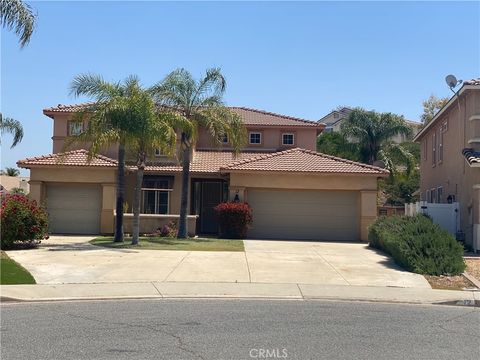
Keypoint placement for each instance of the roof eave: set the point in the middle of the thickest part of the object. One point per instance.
(251, 171)
(443, 109)
(60, 165)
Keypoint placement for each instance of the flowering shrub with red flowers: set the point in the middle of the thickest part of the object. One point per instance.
(24, 223)
(234, 219)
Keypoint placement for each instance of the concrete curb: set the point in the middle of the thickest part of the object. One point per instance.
(176, 290)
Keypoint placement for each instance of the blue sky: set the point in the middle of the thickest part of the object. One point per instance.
(299, 59)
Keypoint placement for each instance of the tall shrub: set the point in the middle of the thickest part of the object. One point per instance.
(234, 219)
(23, 222)
(418, 245)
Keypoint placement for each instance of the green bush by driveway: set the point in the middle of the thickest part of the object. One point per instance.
(12, 273)
(418, 245)
(166, 243)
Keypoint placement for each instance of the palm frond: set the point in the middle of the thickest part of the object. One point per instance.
(220, 121)
(18, 16)
(94, 86)
(13, 127)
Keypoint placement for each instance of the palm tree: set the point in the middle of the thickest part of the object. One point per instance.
(10, 171)
(13, 127)
(156, 130)
(18, 16)
(372, 130)
(199, 101)
(113, 117)
(397, 159)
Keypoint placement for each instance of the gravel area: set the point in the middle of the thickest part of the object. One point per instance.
(449, 282)
(473, 267)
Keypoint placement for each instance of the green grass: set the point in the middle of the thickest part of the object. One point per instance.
(162, 243)
(12, 273)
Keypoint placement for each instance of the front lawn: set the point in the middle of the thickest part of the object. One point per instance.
(164, 243)
(13, 273)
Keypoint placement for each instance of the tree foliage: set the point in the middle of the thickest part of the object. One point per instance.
(10, 171)
(18, 16)
(372, 130)
(199, 101)
(335, 144)
(431, 106)
(114, 117)
(400, 189)
(11, 126)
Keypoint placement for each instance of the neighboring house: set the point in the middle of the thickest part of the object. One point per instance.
(334, 119)
(11, 182)
(450, 158)
(295, 192)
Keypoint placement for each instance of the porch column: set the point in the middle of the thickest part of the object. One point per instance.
(108, 206)
(37, 189)
(368, 211)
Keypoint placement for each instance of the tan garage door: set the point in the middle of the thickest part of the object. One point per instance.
(304, 215)
(74, 209)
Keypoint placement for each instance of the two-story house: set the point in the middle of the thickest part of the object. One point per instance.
(333, 123)
(295, 192)
(450, 158)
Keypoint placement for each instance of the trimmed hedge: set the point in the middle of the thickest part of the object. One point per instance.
(234, 219)
(418, 245)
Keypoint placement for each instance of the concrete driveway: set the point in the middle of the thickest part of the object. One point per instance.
(73, 260)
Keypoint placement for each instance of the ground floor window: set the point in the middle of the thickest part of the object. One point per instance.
(156, 194)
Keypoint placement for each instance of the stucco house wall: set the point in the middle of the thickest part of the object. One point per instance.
(454, 129)
(365, 186)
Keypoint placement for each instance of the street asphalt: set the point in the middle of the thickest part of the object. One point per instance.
(237, 329)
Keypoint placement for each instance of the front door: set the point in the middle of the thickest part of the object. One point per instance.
(206, 195)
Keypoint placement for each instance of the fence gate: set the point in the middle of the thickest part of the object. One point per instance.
(445, 215)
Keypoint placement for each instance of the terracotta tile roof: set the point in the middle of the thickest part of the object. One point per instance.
(301, 160)
(260, 117)
(60, 108)
(472, 82)
(471, 156)
(70, 158)
(206, 161)
(249, 116)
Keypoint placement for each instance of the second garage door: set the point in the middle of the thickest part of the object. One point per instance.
(74, 209)
(304, 215)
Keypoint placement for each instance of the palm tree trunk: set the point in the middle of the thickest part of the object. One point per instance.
(182, 223)
(120, 194)
(136, 204)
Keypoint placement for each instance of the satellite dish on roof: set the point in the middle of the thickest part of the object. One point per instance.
(452, 81)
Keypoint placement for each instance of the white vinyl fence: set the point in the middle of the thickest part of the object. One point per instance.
(445, 215)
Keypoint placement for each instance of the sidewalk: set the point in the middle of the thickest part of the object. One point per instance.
(166, 290)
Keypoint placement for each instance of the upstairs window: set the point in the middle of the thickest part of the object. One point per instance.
(425, 149)
(223, 139)
(160, 153)
(434, 149)
(443, 130)
(288, 139)
(74, 128)
(440, 147)
(255, 138)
